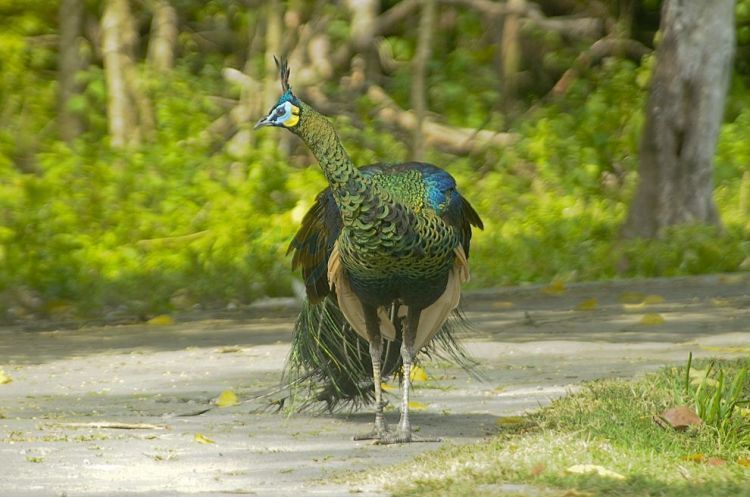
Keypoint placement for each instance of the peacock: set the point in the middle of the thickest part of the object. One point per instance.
(383, 253)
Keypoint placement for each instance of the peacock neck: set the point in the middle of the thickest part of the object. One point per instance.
(318, 134)
(351, 189)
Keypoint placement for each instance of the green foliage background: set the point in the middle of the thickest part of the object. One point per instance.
(85, 229)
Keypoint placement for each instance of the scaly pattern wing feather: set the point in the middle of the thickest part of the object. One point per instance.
(313, 243)
(329, 363)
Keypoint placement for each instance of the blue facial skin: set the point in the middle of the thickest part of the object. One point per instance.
(278, 115)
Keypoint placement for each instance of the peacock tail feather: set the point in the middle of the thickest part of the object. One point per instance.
(329, 365)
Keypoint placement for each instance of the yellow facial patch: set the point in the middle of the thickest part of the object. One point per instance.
(293, 118)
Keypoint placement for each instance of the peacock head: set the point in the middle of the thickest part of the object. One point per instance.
(286, 112)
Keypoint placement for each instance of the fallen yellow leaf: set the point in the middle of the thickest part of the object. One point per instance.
(587, 305)
(694, 458)
(631, 297)
(202, 439)
(161, 320)
(652, 319)
(555, 287)
(417, 406)
(585, 469)
(417, 374)
(653, 299)
(227, 398)
(633, 307)
(4, 378)
(510, 421)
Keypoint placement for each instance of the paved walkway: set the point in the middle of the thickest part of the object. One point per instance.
(532, 343)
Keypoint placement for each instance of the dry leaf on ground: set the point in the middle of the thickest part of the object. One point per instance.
(653, 299)
(4, 378)
(417, 374)
(631, 297)
(697, 458)
(161, 320)
(202, 439)
(227, 398)
(508, 421)
(652, 319)
(680, 418)
(555, 287)
(587, 305)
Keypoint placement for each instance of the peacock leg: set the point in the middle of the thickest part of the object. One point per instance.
(376, 349)
(407, 357)
(404, 434)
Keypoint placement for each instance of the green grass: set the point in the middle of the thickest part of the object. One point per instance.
(608, 423)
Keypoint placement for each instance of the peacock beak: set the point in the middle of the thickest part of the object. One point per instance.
(263, 122)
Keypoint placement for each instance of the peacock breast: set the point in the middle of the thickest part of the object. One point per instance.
(406, 247)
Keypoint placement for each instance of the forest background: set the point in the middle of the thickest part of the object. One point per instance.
(132, 183)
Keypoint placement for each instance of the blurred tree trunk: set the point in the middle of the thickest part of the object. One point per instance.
(364, 28)
(117, 39)
(271, 88)
(161, 45)
(510, 51)
(129, 112)
(419, 76)
(683, 115)
(70, 19)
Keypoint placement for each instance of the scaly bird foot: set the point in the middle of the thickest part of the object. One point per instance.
(376, 434)
(403, 437)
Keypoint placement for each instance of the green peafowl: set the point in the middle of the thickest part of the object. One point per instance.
(383, 252)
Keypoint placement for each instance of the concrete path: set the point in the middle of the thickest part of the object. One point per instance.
(532, 343)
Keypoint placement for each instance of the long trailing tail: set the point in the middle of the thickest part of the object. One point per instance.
(329, 365)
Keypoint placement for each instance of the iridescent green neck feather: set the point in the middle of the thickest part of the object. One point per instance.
(319, 135)
(351, 189)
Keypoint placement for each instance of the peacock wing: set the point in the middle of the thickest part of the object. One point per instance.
(313, 243)
(461, 215)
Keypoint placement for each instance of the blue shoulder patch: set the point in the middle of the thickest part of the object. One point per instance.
(440, 187)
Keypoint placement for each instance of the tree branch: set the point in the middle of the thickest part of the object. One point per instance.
(419, 76)
(570, 26)
(459, 141)
(606, 47)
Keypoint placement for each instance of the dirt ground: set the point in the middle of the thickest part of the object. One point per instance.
(70, 389)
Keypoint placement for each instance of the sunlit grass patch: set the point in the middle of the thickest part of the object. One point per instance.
(607, 432)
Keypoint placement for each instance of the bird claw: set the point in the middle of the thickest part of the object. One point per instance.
(387, 437)
(402, 438)
(373, 435)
